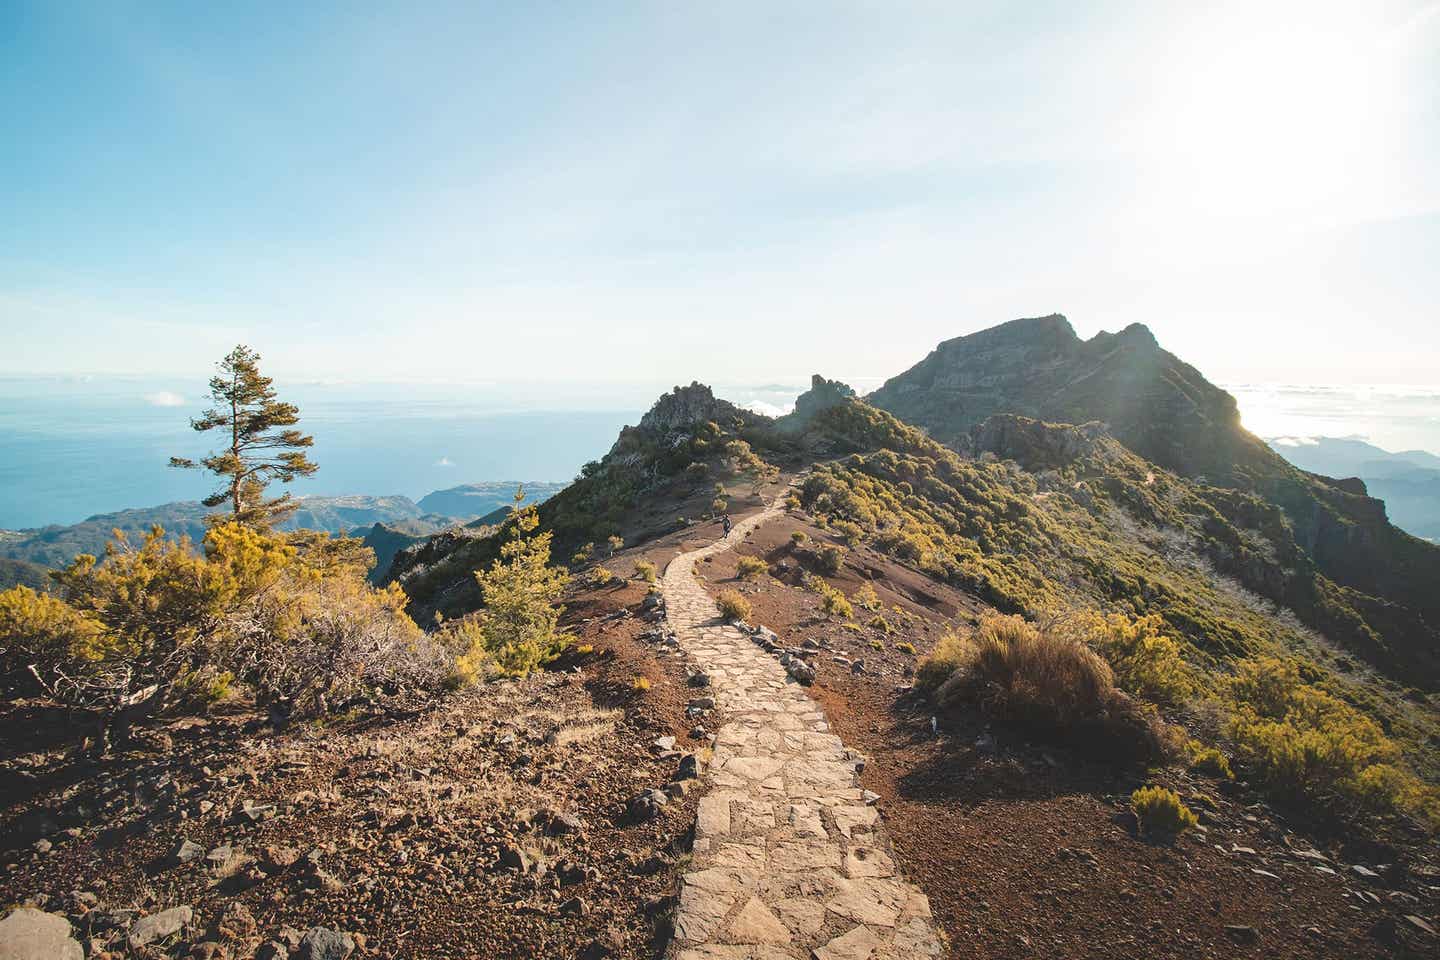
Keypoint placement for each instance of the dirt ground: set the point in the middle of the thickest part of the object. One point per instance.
(1027, 851)
(490, 823)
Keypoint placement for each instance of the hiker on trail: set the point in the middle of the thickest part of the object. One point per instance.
(725, 522)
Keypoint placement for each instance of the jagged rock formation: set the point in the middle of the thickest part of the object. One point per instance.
(822, 395)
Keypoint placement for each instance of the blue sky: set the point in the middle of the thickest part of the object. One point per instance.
(730, 192)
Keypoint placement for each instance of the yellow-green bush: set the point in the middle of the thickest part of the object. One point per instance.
(949, 656)
(798, 537)
(831, 558)
(601, 577)
(866, 598)
(1146, 662)
(905, 646)
(878, 622)
(1209, 760)
(733, 606)
(1305, 741)
(748, 567)
(645, 570)
(1160, 813)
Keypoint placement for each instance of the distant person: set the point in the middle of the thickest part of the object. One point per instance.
(725, 522)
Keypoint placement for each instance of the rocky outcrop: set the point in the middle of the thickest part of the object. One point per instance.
(822, 395)
(688, 406)
(1034, 444)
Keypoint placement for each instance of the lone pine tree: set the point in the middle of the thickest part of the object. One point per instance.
(260, 447)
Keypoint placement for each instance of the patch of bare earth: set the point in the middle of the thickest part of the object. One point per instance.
(1026, 850)
(490, 823)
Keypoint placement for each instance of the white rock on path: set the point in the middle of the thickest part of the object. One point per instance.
(790, 859)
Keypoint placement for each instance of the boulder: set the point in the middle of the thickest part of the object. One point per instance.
(30, 934)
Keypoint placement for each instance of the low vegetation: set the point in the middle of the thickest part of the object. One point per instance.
(1047, 683)
(733, 606)
(1159, 813)
(645, 570)
(749, 567)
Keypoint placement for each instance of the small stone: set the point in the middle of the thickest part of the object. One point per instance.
(689, 767)
(513, 858)
(184, 852)
(1420, 923)
(575, 907)
(322, 943)
(870, 797)
(664, 744)
(1241, 933)
(157, 926)
(272, 950)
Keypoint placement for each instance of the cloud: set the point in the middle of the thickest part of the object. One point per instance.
(444, 462)
(164, 398)
(768, 409)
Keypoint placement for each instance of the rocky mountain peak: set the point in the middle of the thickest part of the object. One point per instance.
(687, 406)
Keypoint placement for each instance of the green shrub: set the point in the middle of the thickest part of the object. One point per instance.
(905, 646)
(601, 577)
(748, 567)
(733, 606)
(718, 505)
(949, 657)
(877, 645)
(878, 622)
(831, 558)
(866, 598)
(1306, 742)
(1160, 814)
(645, 570)
(1210, 760)
(798, 537)
(614, 543)
(832, 601)
(1145, 661)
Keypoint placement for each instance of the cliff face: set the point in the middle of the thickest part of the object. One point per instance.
(1166, 411)
(1159, 406)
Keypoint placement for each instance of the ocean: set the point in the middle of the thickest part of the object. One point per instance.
(72, 447)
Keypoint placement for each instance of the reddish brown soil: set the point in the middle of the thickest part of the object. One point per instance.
(1029, 851)
(408, 804)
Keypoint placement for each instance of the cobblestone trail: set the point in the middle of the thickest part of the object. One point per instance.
(790, 861)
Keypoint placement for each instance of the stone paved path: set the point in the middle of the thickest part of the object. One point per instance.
(789, 860)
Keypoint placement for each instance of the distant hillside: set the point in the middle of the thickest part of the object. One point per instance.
(1408, 481)
(1167, 412)
(20, 573)
(478, 499)
(57, 545)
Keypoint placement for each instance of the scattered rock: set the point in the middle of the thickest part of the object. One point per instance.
(184, 852)
(158, 926)
(322, 943)
(1241, 933)
(647, 805)
(513, 858)
(30, 934)
(689, 767)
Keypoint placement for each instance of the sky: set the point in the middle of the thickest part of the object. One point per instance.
(734, 192)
